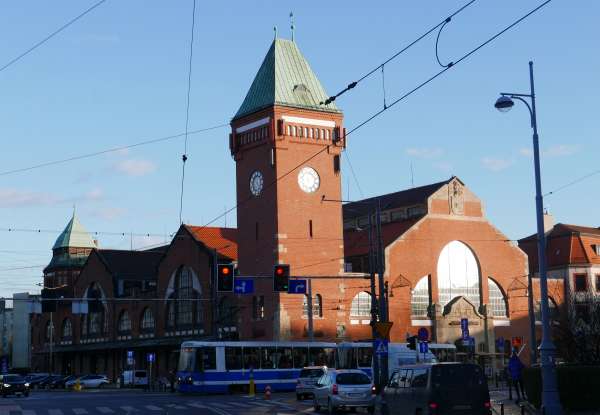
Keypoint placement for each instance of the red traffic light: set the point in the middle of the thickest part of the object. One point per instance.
(225, 270)
(279, 271)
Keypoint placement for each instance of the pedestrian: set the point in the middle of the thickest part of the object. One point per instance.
(515, 371)
(172, 380)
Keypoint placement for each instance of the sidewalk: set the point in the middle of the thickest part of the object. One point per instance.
(500, 397)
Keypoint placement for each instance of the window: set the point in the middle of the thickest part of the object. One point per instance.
(419, 379)
(251, 358)
(147, 320)
(317, 136)
(184, 295)
(289, 130)
(258, 307)
(420, 298)
(317, 306)
(497, 300)
(596, 249)
(365, 356)
(361, 305)
(83, 326)
(67, 329)
(597, 282)
(397, 215)
(326, 134)
(310, 228)
(580, 282)
(49, 329)
(336, 164)
(582, 312)
(124, 325)
(233, 358)
(268, 357)
(458, 274)
(405, 378)
(552, 310)
(322, 356)
(300, 357)
(170, 314)
(285, 355)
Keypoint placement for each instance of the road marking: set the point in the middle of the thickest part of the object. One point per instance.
(80, 411)
(215, 410)
(240, 405)
(263, 404)
(28, 412)
(129, 409)
(105, 410)
(153, 408)
(55, 412)
(220, 405)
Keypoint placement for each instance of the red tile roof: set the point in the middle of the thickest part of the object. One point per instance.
(224, 240)
(357, 242)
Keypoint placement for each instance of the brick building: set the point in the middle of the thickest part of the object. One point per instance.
(443, 259)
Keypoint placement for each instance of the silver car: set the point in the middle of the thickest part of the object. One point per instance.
(344, 389)
(307, 379)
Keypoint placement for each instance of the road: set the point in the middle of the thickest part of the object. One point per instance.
(139, 402)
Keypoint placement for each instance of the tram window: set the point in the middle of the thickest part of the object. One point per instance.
(365, 356)
(209, 358)
(300, 357)
(320, 356)
(284, 354)
(233, 358)
(251, 357)
(268, 356)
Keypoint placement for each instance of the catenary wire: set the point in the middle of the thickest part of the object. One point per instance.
(184, 157)
(353, 173)
(50, 36)
(111, 150)
(462, 58)
(571, 183)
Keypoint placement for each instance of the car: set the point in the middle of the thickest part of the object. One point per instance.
(133, 378)
(60, 383)
(13, 385)
(438, 388)
(89, 381)
(307, 379)
(46, 383)
(34, 379)
(344, 389)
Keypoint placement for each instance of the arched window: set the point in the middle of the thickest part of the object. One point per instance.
(553, 309)
(361, 305)
(317, 306)
(458, 274)
(67, 329)
(83, 325)
(48, 330)
(124, 324)
(420, 298)
(170, 314)
(94, 322)
(147, 323)
(184, 295)
(184, 309)
(498, 305)
(227, 312)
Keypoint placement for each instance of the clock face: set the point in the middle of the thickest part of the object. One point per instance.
(308, 180)
(256, 183)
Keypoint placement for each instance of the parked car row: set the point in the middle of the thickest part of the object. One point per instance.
(55, 381)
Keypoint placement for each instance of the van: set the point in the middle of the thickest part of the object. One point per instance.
(399, 355)
(133, 378)
(438, 388)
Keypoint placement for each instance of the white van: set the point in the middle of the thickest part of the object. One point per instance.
(399, 354)
(133, 378)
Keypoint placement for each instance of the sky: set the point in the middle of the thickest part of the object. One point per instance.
(119, 76)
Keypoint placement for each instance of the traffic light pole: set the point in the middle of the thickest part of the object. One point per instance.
(309, 304)
(383, 309)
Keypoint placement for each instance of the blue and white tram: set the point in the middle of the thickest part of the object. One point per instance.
(220, 367)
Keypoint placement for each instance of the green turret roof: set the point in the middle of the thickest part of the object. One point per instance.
(285, 78)
(74, 235)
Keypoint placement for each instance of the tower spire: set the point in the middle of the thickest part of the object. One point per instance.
(292, 26)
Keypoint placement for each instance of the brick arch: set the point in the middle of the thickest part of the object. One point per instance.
(474, 256)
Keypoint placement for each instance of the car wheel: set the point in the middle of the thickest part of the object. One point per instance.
(316, 405)
(330, 408)
(371, 409)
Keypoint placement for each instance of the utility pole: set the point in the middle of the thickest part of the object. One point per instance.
(309, 305)
(383, 311)
(373, 299)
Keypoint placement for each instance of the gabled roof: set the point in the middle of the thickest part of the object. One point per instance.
(224, 240)
(284, 78)
(416, 195)
(74, 235)
(357, 242)
(563, 230)
(131, 265)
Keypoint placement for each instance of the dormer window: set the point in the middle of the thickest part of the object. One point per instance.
(596, 248)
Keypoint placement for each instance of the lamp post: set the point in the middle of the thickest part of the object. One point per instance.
(550, 399)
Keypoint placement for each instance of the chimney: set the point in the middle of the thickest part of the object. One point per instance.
(548, 222)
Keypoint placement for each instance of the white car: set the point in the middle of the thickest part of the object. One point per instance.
(89, 381)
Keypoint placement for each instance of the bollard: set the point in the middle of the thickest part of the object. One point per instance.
(522, 409)
(267, 393)
(501, 408)
(509, 389)
(251, 386)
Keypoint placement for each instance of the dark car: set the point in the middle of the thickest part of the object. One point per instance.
(34, 380)
(438, 388)
(13, 385)
(47, 383)
(60, 383)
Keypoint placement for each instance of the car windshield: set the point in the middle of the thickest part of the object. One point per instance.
(457, 376)
(352, 379)
(12, 378)
(311, 373)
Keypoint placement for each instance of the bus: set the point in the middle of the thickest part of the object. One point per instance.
(223, 367)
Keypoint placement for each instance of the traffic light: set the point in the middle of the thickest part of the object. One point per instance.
(225, 277)
(412, 342)
(281, 277)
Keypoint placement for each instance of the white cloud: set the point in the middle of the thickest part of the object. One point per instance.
(496, 164)
(444, 166)
(135, 167)
(560, 150)
(19, 198)
(425, 152)
(94, 194)
(527, 152)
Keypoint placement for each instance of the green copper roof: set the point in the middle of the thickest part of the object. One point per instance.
(285, 78)
(74, 235)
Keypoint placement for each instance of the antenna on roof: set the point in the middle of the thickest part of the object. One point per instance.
(275, 32)
(412, 175)
(292, 26)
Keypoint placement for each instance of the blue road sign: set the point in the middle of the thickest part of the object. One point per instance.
(130, 354)
(423, 334)
(4, 364)
(381, 347)
(151, 357)
(243, 285)
(464, 324)
(297, 287)
(423, 347)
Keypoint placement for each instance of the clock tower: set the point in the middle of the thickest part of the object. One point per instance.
(287, 148)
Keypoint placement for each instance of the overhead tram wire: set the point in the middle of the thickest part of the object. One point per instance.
(184, 157)
(571, 183)
(394, 56)
(446, 68)
(111, 150)
(50, 36)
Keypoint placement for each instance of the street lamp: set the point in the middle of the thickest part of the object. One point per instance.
(550, 399)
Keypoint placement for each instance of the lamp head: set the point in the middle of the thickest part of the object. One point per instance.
(504, 103)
